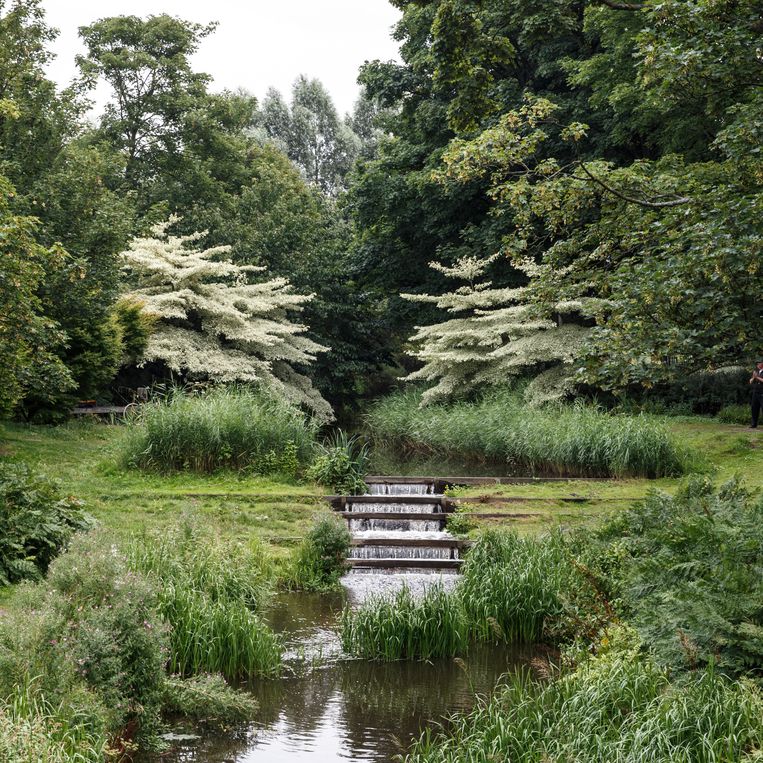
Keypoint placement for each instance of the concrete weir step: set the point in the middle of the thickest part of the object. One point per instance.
(411, 564)
(412, 542)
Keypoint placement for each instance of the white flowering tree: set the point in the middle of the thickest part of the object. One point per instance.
(215, 322)
(492, 337)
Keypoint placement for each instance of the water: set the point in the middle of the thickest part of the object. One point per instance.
(338, 709)
(391, 527)
(391, 508)
(384, 488)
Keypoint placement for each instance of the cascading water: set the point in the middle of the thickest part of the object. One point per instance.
(390, 551)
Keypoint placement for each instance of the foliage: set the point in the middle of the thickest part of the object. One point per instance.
(207, 698)
(734, 414)
(320, 558)
(524, 590)
(495, 336)
(212, 323)
(210, 593)
(618, 705)
(341, 464)
(311, 133)
(691, 575)
(500, 428)
(28, 340)
(406, 627)
(226, 428)
(30, 729)
(36, 523)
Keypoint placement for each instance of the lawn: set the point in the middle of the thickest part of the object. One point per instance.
(83, 457)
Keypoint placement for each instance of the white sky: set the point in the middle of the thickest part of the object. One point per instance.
(258, 43)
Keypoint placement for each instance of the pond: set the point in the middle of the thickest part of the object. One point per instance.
(327, 707)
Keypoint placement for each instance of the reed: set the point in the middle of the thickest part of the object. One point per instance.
(210, 593)
(227, 428)
(406, 627)
(31, 729)
(566, 440)
(512, 586)
(620, 707)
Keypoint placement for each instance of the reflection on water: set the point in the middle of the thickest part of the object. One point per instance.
(330, 708)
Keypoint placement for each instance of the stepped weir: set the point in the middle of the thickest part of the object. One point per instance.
(400, 525)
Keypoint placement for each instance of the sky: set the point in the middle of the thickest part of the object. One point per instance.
(258, 43)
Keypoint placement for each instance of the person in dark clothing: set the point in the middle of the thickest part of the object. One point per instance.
(756, 400)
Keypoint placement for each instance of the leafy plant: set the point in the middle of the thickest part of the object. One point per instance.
(207, 698)
(341, 464)
(734, 414)
(321, 557)
(691, 575)
(36, 522)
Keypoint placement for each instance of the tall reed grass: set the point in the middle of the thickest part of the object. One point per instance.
(616, 707)
(227, 428)
(563, 440)
(210, 592)
(406, 627)
(512, 587)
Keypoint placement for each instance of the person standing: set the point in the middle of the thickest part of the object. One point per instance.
(756, 399)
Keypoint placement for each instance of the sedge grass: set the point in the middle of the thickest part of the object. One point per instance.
(565, 440)
(211, 593)
(237, 429)
(406, 627)
(616, 707)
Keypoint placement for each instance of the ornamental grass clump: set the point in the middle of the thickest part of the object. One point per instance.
(565, 440)
(226, 428)
(406, 626)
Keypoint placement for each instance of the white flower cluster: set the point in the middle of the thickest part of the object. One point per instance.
(496, 337)
(213, 323)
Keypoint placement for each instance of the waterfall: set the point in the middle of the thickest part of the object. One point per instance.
(390, 526)
(400, 488)
(392, 508)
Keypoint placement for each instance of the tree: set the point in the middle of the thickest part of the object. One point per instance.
(213, 322)
(323, 146)
(146, 63)
(495, 337)
(28, 340)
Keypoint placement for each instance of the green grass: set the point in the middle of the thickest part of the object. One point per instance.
(405, 627)
(619, 706)
(233, 429)
(564, 440)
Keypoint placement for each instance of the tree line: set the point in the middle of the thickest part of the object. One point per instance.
(589, 173)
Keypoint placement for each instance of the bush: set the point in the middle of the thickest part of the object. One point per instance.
(341, 464)
(734, 414)
(618, 706)
(224, 429)
(560, 440)
(207, 698)
(321, 557)
(691, 576)
(405, 627)
(209, 592)
(36, 522)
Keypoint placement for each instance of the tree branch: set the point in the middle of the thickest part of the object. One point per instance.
(641, 202)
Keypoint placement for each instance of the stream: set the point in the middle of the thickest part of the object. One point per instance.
(328, 707)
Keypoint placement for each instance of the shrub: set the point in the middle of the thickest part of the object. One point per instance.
(341, 464)
(227, 428)
(618, 706)
(405, 627)
(734, 414)
(692, 578)
(207, 698)
(321, 557)
(36, 522)
(209, 592)
(499, 428)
